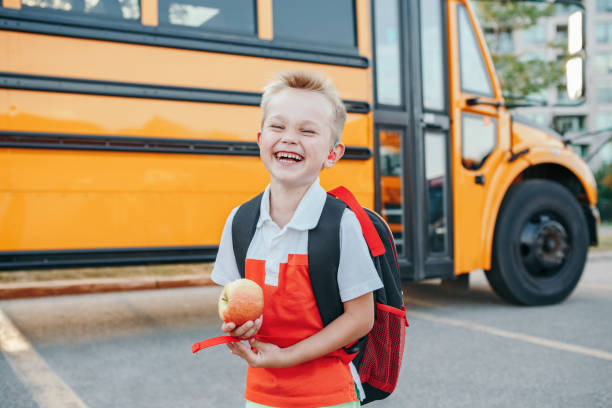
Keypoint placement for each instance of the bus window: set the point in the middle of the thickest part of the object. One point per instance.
(391, 171)
(435, 173)
(389, 87)
(478, 139)
(320, 22)
(237, 16)
(112, 9)
(474, 77)
(431, 55)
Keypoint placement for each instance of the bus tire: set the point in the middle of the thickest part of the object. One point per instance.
(540, 244)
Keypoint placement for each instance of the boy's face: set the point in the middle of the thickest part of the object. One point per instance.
(296, 139)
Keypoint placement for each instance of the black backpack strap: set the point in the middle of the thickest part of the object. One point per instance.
(324, 259)
(243, 229)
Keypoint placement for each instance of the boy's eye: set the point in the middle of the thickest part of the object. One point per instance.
(308, 131)
(276, 126)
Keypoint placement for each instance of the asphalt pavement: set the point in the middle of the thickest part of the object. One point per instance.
(463, 349)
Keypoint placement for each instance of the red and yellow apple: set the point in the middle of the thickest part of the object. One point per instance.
(240, 301)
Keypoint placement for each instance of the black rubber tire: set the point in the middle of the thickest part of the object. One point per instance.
(510, 277)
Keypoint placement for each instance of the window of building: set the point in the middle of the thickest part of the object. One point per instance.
(561, 34)
(478, 139)
(237, 16)
(321, 22)
(562, 9)
(604, 120)
(562, 96)
(604, 5)
(604, 94)
(535, 34)
(474, 75)
(500, 42)
(127, 10)
(603, 62)
(603, 32)
(569, 123)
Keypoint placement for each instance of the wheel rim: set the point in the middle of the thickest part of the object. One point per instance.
(544, 245)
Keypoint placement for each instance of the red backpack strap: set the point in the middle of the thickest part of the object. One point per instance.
(369, 231)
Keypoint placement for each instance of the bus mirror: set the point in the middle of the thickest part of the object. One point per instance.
(574, 67)
(575, 41)
(575, 82)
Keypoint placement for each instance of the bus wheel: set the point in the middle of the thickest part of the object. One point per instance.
(540, 244)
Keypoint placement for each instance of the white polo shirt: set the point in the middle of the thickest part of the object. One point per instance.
(356, 273)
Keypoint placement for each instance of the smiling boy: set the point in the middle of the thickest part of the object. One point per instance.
(293, 360)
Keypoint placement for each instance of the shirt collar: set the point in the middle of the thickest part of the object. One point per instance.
(307, 213)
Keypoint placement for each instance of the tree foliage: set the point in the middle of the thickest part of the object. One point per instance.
(603, 178)
(520, 77)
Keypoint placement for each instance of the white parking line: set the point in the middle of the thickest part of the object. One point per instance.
(47, 388)
(604, 355)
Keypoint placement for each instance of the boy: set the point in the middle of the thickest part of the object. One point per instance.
(293, 360)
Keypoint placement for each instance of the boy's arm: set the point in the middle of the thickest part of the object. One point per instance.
(354, 323)
(224, 271)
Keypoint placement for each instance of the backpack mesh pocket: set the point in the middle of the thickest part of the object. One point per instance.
(384, 348)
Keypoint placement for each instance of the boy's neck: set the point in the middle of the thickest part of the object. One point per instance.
(284, 200)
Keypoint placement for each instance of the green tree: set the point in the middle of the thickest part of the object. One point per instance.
(521, 77)
(603, 178)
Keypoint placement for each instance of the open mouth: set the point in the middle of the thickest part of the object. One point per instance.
(288, 157)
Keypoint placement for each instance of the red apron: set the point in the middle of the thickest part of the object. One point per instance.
(291, 315)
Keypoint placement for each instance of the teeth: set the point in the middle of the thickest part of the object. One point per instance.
(287, 155)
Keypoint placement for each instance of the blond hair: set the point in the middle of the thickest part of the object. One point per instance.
(309, 81)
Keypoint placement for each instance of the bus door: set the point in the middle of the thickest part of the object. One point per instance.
(480, 131)
(411, 118)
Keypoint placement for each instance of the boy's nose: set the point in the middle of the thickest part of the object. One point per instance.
(289, 136)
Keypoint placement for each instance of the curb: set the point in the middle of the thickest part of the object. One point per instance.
(87, 286)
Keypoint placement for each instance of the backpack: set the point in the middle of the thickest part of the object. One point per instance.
(378, 355)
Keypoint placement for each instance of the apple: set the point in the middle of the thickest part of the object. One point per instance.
(240, 301)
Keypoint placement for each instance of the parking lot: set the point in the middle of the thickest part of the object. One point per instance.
(463, 349)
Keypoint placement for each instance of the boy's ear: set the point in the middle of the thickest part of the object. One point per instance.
(335, 154)
(258, 136)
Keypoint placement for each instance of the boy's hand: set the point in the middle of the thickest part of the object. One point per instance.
(260, 354)
(246, 331)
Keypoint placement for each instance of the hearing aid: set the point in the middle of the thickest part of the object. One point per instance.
(332, 154)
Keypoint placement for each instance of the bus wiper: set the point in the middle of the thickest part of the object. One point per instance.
(477, 101)
(521, 104)
(526, 104)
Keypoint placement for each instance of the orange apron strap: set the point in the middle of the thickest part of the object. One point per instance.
(255, 271)
(214, 341)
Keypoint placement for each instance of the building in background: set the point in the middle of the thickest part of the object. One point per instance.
(596, 113)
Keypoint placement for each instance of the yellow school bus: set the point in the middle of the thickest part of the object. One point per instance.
(128, 128)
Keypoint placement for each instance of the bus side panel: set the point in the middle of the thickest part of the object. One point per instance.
(33, 111)
(58, 199)
(46, 55)
(79, 89)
